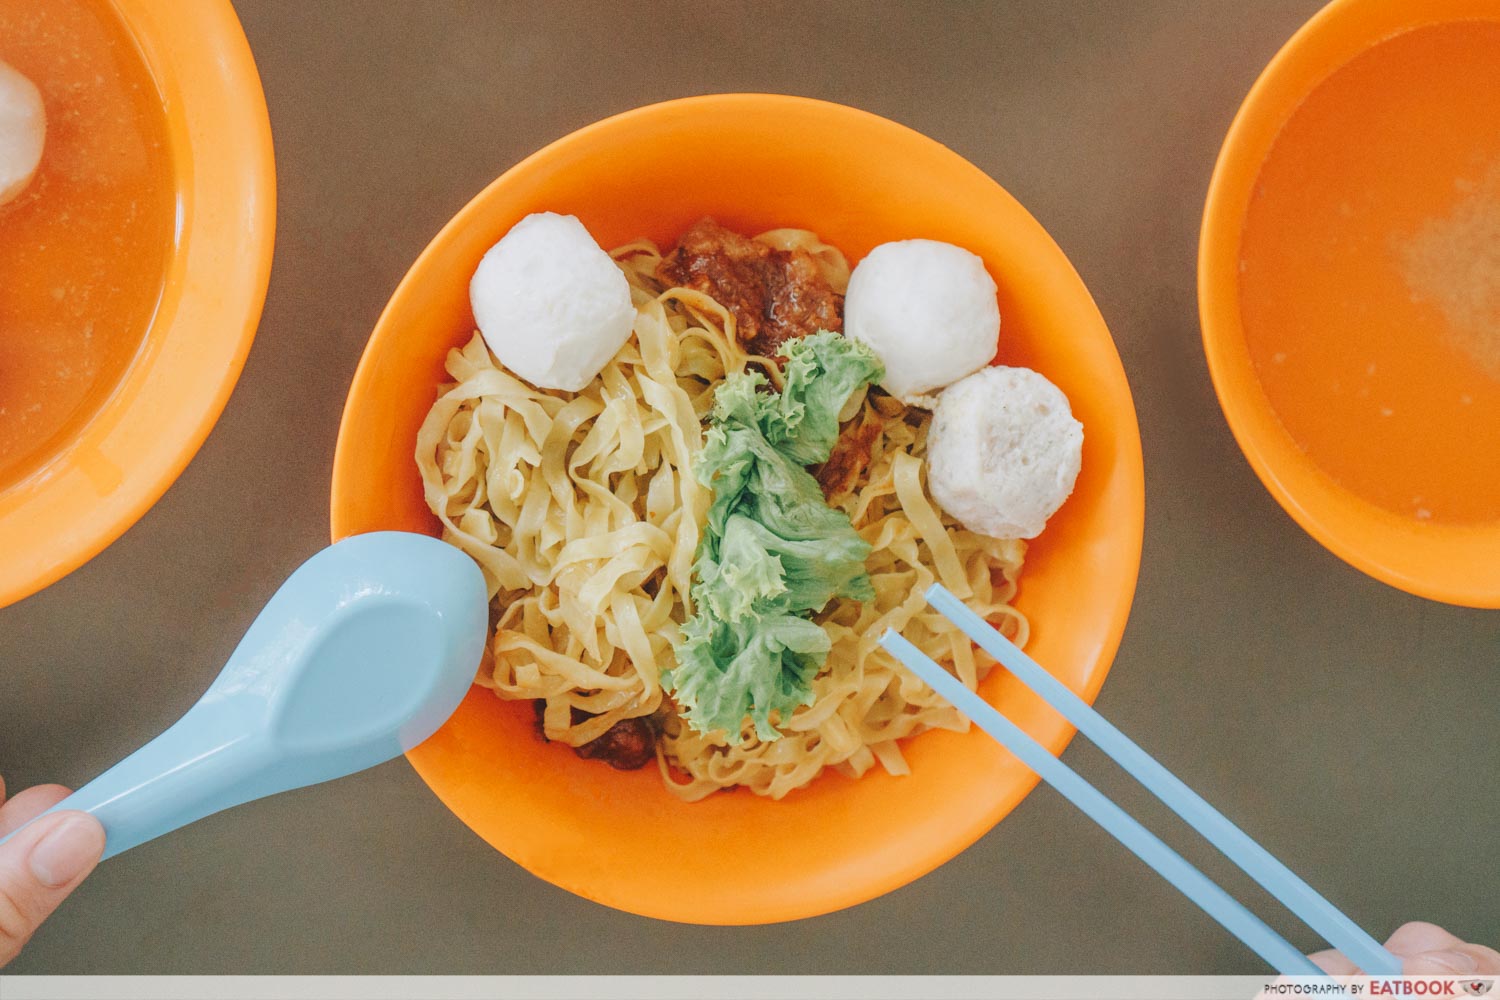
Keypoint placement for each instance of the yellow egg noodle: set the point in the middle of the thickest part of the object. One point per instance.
(584, 514)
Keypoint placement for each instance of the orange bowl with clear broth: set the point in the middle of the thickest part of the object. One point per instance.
(755, 162)
(135, 266)
(1349, 289)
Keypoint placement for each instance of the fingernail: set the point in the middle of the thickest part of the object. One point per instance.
(66, 852)
(1456, 961)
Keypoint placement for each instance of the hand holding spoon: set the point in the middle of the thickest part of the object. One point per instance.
(362, 654)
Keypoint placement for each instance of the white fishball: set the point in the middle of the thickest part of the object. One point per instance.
(553, 307)
(23, 132)
(1003, 452)
(927, 309)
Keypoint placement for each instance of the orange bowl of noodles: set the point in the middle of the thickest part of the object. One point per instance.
(134, 266)
(757, 163)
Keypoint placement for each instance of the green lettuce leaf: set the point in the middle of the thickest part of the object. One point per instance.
(773, 551)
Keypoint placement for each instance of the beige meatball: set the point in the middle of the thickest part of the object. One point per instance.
(1003, 452)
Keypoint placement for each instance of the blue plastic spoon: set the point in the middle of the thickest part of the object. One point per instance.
(362, 654)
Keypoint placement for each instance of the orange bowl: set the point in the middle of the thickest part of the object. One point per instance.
(756, 162)
(1341, 295)
(141, 438)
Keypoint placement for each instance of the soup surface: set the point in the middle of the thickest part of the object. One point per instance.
(1370, 274)
(84, 249)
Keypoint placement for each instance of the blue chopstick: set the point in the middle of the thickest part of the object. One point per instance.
(1273, 876)
(1212, 899)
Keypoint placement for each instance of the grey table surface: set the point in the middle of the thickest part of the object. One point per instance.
(1349, 726)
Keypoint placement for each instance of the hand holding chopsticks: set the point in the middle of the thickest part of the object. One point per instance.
(1319, 914)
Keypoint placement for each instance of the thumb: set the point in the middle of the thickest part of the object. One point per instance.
(1459, 960)
(39, 866)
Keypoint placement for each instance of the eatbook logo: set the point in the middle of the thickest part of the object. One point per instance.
(1429, 986)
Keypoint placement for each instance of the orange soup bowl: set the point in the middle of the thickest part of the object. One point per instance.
(755, 162)
(123, 438)
(1349, 289)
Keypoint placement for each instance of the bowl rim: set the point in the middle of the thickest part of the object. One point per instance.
(1129, 466)
(141, 438)
(1440, 564)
